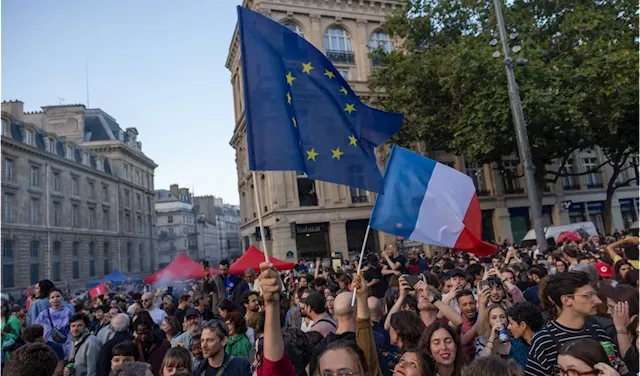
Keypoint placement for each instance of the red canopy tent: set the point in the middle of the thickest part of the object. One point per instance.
(180, 269)
(252, 259)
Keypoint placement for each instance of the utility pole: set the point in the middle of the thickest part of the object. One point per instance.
(521, 132)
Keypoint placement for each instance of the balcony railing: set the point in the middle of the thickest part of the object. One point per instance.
(341, 57)
(359, 199)
(572, 187)
(514, 191)
(483, 192)
(595, 185)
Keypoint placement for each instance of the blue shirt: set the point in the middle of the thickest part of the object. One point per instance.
(229, 284)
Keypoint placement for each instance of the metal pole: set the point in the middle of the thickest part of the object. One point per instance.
(521, 133)
(259, 210)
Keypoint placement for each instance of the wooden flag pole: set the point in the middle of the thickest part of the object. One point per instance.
(259, 211)
(364, 244)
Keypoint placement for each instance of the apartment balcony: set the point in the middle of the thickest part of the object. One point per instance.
(341, 57)
(482, 192)
(514, 191)
(359, 199)
(571, 187)
(595, 185)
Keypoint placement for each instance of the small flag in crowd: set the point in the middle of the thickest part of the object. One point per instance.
(301, 114)
(429, 202)
(98, 290)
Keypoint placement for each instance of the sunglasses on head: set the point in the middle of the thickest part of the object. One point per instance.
(215, 323)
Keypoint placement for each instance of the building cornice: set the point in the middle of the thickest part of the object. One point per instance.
(115, 146)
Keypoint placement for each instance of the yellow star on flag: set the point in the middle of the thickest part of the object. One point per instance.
(311, 154)
(344, 90)
(336, 153)
(350, 108)
(289, 98)
(290, 79)
(295, 123)
(329, 73)
(353, 140)
(306, 68)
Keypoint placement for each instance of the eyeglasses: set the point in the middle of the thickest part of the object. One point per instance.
(589, 295)
(212, 324)
(340, 372)
(572, 372)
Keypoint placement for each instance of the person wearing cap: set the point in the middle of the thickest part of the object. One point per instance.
(457, 278)
(315, 309)
(192, 323)
(214, 337)
(605, 271)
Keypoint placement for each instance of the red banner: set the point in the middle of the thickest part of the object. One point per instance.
(96, 291)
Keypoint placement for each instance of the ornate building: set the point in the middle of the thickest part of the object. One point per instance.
(306, 219)
(77, 197)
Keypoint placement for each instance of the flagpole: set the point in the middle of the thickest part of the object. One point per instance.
(364, 244)
(259, 211)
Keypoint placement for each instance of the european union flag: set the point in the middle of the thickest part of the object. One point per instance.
(301, 115)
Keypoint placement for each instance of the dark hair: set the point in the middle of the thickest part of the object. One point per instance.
(426, 364)
(431, 279)
(78, 317)
(299, 347)
(45, 287)
(492, 365)
(565, 283)
(55, 289)
(566, 266)
(585, 349)
(541, 272)
(626, 293)
(527, 313)
(300, 291)
(412, 302)
(348, 345)
(425, 343)
(247, 294)
(570, 251)
(175, 324)
(224, 262)
(320, 281)
(32, 359)
(409, 327)
(238, 321)
(136, 368)
(631, 278)
(178, 357)
(449, 265)
(462, 293)
(32, 332)
(226, 305)
(373, 260)
(143, 321)
(184, 298)
(126, 348)
(314, 337)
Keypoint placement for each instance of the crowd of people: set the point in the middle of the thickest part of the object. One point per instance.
(572, 311)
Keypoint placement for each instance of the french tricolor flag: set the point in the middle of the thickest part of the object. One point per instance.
(429, 202)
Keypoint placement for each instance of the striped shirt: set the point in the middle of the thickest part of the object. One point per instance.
(544, 352)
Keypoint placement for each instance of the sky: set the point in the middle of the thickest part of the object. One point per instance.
(158, 66)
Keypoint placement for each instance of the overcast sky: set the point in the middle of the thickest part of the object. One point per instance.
(154, 65)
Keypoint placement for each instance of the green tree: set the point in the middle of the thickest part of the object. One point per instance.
(580, 83)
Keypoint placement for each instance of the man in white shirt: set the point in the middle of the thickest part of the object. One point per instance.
(156, 313)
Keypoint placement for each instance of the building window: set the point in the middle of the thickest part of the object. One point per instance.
(51, 144)
(35, 176)
(85, 159)
(8, 207)
(344, 73)
(129, 258)
(105, 219)
(170, 219)
(55, 261)
(592, 179)
(138, 201)
(76, 261)
(100, 164)
(127, 198)
(4, 127)
(140, 258)
(476, 173)
(140, 229)
(510, 177)
(381, 40)
(8, 169)
(105, 193)
(126, 171)
(105, 258)
(127, 218)
(92, 259)
(7, 264)
(295, 28)
(92, 217)
(57, 213)
(138, 180)
(337, 44)
(75, 189)
(569, 182)
(75, 220)
(56, 181)
(306, 191)
(69, 152)
(35, 211)
(28, 137)
(358, 196)
(92, 190)
(171, 231)
(34, 262)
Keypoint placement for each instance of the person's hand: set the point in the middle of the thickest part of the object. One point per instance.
(632, 239)
(484, 297)
(403, 287)
(269, 282)
(605, 370)
(496, 273)
(421, 288)
(205, 274)
(495, 329)
(621, 319)
(358, 284)
(66, 372)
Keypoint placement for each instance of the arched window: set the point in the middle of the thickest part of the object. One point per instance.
(337, 44)
(34, 262)
(92, 259)
(294, 27)
(381, 40)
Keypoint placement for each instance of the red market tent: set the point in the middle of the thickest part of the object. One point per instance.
(252, 259)
(181, 269)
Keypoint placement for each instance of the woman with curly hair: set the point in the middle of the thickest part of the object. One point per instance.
(406, 329)
(238, 343)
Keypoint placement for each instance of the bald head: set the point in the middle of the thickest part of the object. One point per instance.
(147, 300)
(342, 305)
(375, 308)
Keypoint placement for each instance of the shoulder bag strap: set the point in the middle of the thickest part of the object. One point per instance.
(327, 320)
(225, 365)
(51, 321)
(76, 348)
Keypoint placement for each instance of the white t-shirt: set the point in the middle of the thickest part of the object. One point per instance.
(157, 315)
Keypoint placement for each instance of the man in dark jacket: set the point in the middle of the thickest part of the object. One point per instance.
(215, 334)
(244, 286)
(120, 326)
(151, 349)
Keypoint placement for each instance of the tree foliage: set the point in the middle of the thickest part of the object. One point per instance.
(579, 88)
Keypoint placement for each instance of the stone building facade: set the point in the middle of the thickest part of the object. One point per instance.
(76, 197)
(226, 218)
(305, 218)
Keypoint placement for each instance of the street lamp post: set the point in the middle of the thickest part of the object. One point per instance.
(521, 132)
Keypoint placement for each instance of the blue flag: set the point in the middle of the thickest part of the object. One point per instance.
(301, 115)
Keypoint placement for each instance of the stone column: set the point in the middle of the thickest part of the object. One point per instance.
(315, 34)
(283, 242)
(338, 236)
(361, 44)
(502, 224)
